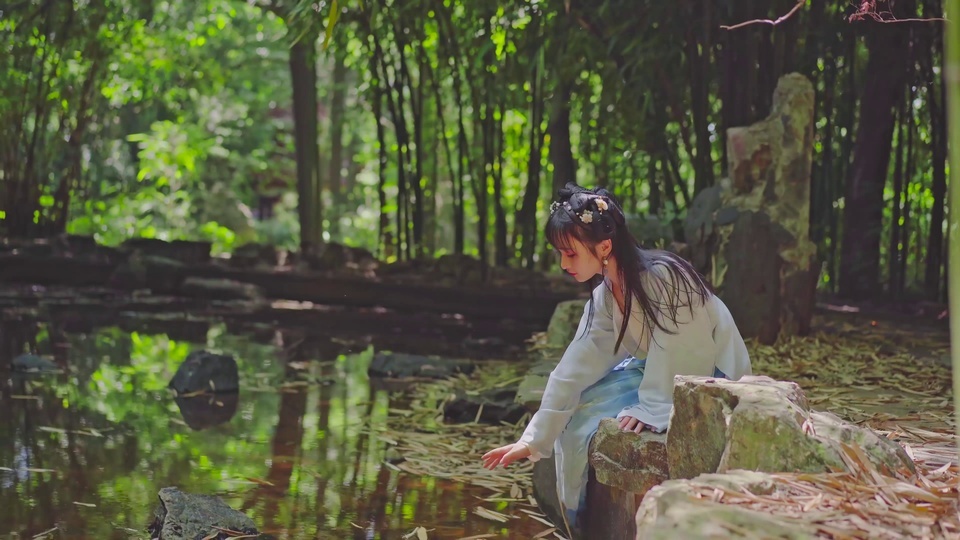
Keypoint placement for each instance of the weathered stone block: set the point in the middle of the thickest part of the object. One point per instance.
(628, 460)
(623, 467)
(761, 424)
(750, 235)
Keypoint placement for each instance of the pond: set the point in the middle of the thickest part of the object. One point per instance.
(84, 452)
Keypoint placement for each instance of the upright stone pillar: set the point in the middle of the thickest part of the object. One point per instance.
(750, 235)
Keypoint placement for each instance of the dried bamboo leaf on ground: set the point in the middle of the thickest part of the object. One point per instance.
(869, 376)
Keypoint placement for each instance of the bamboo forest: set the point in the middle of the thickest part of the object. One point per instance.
(359, 269)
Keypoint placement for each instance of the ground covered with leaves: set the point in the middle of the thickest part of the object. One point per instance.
(887, 375)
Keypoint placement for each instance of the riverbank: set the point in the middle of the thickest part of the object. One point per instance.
(872, 373)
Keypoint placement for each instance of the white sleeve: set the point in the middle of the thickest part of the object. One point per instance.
(587, 359)
(688, 348)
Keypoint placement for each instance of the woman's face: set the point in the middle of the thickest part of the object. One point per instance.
(579, 261)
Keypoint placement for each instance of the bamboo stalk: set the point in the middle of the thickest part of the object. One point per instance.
(951, 61)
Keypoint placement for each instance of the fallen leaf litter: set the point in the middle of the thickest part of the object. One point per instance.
(869, 376)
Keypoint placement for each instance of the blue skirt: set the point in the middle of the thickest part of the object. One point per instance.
(605, 399)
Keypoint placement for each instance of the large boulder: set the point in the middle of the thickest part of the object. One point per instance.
(562, 328)
(761, 424)
(677, 509)
(204, 371)
(530, 391)
(751, 234)
(184, 516)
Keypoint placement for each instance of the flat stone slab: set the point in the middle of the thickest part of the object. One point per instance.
(674, 510)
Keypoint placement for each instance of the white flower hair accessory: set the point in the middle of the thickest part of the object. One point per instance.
(554, 206)
(586, 216)
(602, 204)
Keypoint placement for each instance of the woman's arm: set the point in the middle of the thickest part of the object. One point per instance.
(586, 360)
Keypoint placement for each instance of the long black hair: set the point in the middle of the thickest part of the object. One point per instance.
(592, 216)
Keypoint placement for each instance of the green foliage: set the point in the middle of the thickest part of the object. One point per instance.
(193, 131)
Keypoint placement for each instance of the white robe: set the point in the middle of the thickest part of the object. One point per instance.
(704, 339)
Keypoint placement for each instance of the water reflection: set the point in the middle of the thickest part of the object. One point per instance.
(86, 451)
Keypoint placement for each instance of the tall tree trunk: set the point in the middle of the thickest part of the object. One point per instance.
(698, 61)
(338, 100)
(561, 152)
(499, 213)
(821, 188)
(847, 117)
(303, 72)
(384, 240)
(738, 84)
(904, 253)
(396, 109)
(525, 221)
(655, 200)
(453, 166)
(893, 251)
(414, 247)
(863, 209)
(938, 130)
(432, 167)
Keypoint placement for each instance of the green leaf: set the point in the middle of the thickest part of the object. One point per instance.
(331, 22)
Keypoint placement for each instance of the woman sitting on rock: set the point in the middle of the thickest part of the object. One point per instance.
(675, 322)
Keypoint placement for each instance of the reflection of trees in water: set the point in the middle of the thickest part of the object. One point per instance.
(321, 443)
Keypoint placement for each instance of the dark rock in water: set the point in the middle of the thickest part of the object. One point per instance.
(31, 363)
(498, 406)
(206, 371)
(184, 516)
(398, 365)
(207, 411)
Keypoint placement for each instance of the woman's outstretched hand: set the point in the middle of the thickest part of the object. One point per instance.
(505, 455)
(629, 423)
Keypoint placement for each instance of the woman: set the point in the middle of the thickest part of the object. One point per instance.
(675, 322)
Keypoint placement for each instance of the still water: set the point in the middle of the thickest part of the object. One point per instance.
(83, 453)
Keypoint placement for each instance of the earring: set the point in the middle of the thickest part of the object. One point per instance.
(605, 261)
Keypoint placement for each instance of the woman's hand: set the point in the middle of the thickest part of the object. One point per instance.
(629, 423)
(505, 455)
